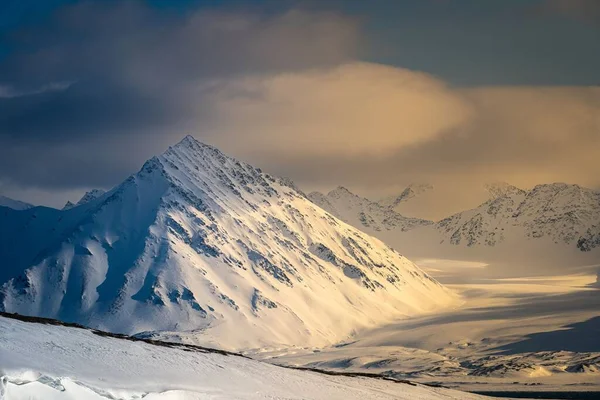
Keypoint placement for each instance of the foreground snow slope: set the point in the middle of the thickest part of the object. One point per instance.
(55, 362)
(201, 247)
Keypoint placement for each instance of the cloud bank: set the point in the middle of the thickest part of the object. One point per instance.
(283, 90)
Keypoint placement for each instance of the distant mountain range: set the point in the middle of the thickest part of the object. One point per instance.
(201, 247)
(563, 214)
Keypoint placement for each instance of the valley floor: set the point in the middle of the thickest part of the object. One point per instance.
(539, 333)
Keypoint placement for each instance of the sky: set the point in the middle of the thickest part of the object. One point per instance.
(371, 95)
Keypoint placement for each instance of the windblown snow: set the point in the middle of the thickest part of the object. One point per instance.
(200, 247)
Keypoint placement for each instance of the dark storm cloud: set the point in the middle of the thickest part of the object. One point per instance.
(96, 77)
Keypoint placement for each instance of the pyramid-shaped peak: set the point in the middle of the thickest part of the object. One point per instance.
(190, 142)
(190, 152)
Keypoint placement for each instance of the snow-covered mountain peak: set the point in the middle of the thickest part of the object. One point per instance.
(205, 247)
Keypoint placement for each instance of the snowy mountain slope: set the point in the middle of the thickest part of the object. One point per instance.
(14, 204)
(564, 214)
(56, 362)
(200, 246)
(363, 213)
(86, 198)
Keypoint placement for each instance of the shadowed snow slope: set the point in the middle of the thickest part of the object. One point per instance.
(201, 247)
(44, 362)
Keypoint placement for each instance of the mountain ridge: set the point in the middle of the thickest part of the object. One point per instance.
(566, 214)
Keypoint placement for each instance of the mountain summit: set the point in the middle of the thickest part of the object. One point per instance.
(205, 248)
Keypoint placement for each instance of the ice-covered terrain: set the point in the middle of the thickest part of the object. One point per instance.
(47, 362)
(201, 247)
(14, 204)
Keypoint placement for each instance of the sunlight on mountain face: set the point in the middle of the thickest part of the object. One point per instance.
(198, 245)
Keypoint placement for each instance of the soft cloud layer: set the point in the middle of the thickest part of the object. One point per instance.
(88, 95)
(377, 128)
(356, 109)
